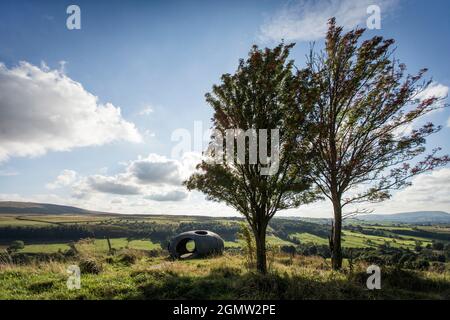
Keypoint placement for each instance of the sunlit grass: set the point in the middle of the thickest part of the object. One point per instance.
(219, 277)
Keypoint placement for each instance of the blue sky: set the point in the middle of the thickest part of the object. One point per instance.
(155, 61)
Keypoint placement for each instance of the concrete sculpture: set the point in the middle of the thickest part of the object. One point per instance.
(197, 243)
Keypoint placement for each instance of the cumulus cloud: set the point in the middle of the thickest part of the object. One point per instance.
(153, 177)
(429, 191)
(435, 89)
(44, 110)
(113, 185)
(173, 195)
(65, 178)
(306, 20)
(156, 169)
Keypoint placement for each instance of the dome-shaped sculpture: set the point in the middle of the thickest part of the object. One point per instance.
(197, 243)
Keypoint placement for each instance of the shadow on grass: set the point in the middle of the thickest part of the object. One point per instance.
(231, 283)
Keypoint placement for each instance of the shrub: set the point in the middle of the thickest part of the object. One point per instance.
(438, 246)
(128, 257)
(16, 246)
(438, 267)
(90, 266)
(249, 248)
(288, 250)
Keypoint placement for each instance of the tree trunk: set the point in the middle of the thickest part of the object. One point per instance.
(260, 239)
(336, 249)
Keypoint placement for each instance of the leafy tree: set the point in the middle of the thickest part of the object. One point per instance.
(447, 250)
(438, 245)
(16, 246)
(288, 249)
(261, 94)
(363, 107)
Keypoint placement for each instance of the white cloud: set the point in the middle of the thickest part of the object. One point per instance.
(172, 195)
(44, 110)
(153, 177)
(435, 89)
(65, 178)
(146, 111)
(114, 185)
(429, 191)
(8, 173)
(149, 133)
(305, 20)
(156, 169)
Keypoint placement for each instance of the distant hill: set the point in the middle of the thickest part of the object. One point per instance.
(15, 207)
(417, 217)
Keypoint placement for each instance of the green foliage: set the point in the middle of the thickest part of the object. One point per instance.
(16, 246)
(246, 236)
(438, 246)
(261, 94)
(360, 100)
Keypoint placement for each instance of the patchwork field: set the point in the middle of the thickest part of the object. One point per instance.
(139, 267)
(354, 236)
(101, 245)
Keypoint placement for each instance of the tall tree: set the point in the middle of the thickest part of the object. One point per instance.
(364, 106)
(261, 94)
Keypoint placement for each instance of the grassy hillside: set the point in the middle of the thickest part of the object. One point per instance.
(415, 259)
(15, 207)
(417, 217)
(133, 274)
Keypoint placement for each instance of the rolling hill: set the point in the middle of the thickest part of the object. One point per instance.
(16, 207)
(417, 217)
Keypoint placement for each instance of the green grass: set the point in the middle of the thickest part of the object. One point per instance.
(45, 248)
(271, 240)
(13, 221)
(275, 241)
(352, 239)
(100, 245)
(388, 227)
(234, 244)
(305, 237)
(120, 243)
(223, 277)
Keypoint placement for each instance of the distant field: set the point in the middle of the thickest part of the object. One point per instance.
(271, 240)
(389, 227)
(438, 229)
(13, 221)
(353, 238)
(358, 240)
(42, 220)
(305, 237)
(120, 243)
(45, 248)
(100, 244)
